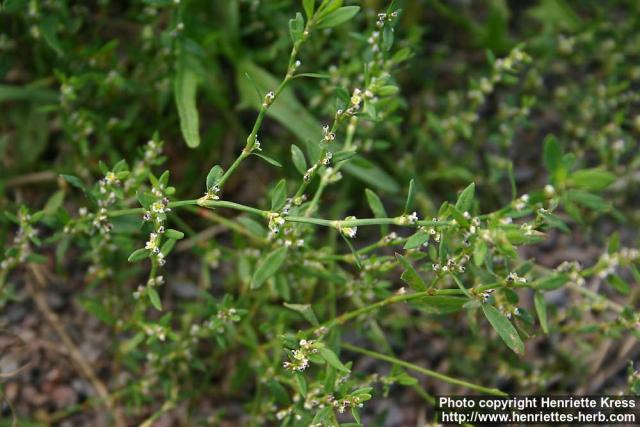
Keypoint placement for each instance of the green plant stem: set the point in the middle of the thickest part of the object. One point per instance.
(425, 371)
(253, 135)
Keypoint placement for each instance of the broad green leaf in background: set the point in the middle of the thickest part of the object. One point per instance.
(31, 92)
(337, 17)
(592, 179)
(185, 86)
(268, 267)
(286, 109)
(504, 328)
(371, 174)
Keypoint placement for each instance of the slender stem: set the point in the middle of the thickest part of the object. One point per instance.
(253, 135)
(232, 205)
(138, 211)
(425, 371)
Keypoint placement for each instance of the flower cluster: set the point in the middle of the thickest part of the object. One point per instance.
(158, 207)
(299, 358)
(451, 266)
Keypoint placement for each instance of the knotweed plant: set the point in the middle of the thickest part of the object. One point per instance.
(356, 236)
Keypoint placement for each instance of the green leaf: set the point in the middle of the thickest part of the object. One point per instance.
(541, 309)
(375, 204)
(552, 155)
(214, 175)
(286, 110)
(377, 208)
(504, 328)
(312, 75)
(588, 200)
(299, 161)
(306, 311)
(411, 197)
(416, 239)
(465, 199)
(337, 17)
(442, 304)
(167, 246)
(551, 282)
(73, 180)
(371, 174)
(185, 87)
(268, 267)
(356, 258)
(154, 298)
(269, 160)
(138, 255)
(323, 416)
(619, 284)
(332, 359)
(48, 28)
(592, 179)
(174, 234)
(279, 196)
(296, 27)
(302, 383)
(410, 275)
(309, 7)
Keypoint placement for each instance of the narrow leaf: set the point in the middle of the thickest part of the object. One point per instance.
(269, 160)
(411, 197)
(410, 275)
(154, 298)
(269, 266)
(279, 195)
(465, 200)
(541, 309)
(138, 255)
(299, 161)
(332, 359)
(417, 239)
(185, 87)
(504, 328)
